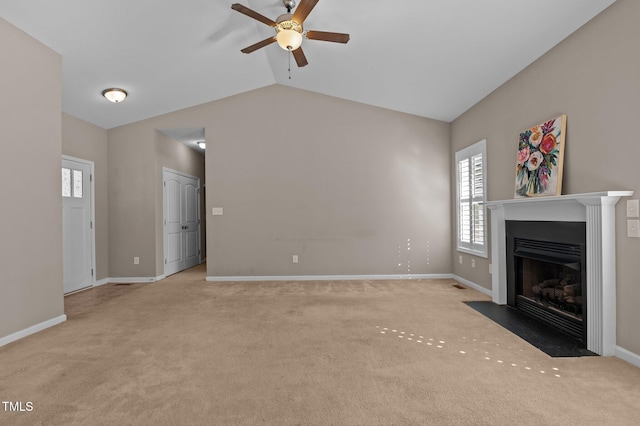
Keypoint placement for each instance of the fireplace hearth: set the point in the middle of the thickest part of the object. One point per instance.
(546, 276)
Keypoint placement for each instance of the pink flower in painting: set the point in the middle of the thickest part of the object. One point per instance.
(535, 159)
(523, 155)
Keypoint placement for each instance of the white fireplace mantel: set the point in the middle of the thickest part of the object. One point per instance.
(597, 210)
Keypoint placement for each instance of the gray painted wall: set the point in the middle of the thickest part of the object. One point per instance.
(31, 214)
(132, 202)
(341, 184)
(137, 153)
(84, 140)
(593, 77)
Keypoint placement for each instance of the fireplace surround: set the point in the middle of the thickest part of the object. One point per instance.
(597, 212)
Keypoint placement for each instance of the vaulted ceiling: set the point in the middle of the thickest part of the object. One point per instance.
(432, 58)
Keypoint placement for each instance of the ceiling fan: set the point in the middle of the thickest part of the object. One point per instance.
(289, 31)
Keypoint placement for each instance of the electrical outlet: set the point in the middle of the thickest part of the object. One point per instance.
(473, 263)
(633, 228)
(295, 258)
(136, 260)
(460, 259)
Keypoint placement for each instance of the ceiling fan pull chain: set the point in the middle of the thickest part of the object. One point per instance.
(289, 55)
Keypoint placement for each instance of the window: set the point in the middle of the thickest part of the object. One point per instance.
(66, 182)
(77, 183)
(71, 183)
(470, 199)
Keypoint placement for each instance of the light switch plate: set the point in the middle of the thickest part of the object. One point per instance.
(633, 228)
(216, 211)
(633, 208)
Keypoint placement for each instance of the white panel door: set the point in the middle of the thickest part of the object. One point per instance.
(181, 221)
(77, 225)
(174, 261)
(191, 223)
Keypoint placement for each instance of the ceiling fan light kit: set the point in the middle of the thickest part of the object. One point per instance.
(289, 31)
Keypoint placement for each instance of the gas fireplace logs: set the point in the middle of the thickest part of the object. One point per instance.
(561, 290)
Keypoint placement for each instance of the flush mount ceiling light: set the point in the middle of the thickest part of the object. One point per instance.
(202, 145)
(114, 95)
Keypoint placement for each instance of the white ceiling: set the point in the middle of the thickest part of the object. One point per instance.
(432, 58)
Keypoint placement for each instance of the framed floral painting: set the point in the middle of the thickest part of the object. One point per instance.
(539, 159)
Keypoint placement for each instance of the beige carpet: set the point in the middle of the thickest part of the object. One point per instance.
(184, 351)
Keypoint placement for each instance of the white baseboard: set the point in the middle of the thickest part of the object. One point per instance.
(101, 282)
(626, 355)
(135, 280)
(329, 277)
(31, 330)
(473, 285)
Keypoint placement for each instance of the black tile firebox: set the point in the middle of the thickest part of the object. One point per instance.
(546, 273)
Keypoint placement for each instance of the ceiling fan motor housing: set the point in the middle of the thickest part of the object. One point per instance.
(285, 23)
(289, 4)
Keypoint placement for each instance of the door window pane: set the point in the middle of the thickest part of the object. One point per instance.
(77, 183)
(66, 182)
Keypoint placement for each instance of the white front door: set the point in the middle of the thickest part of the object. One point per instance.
(77, 224)
(181, 221)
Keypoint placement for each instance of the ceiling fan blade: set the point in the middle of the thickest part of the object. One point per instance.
(303, 10)
(301, 60)
(327, 36)
(253, 14)
(259, 45)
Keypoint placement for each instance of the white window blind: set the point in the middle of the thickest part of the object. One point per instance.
(470, 192)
